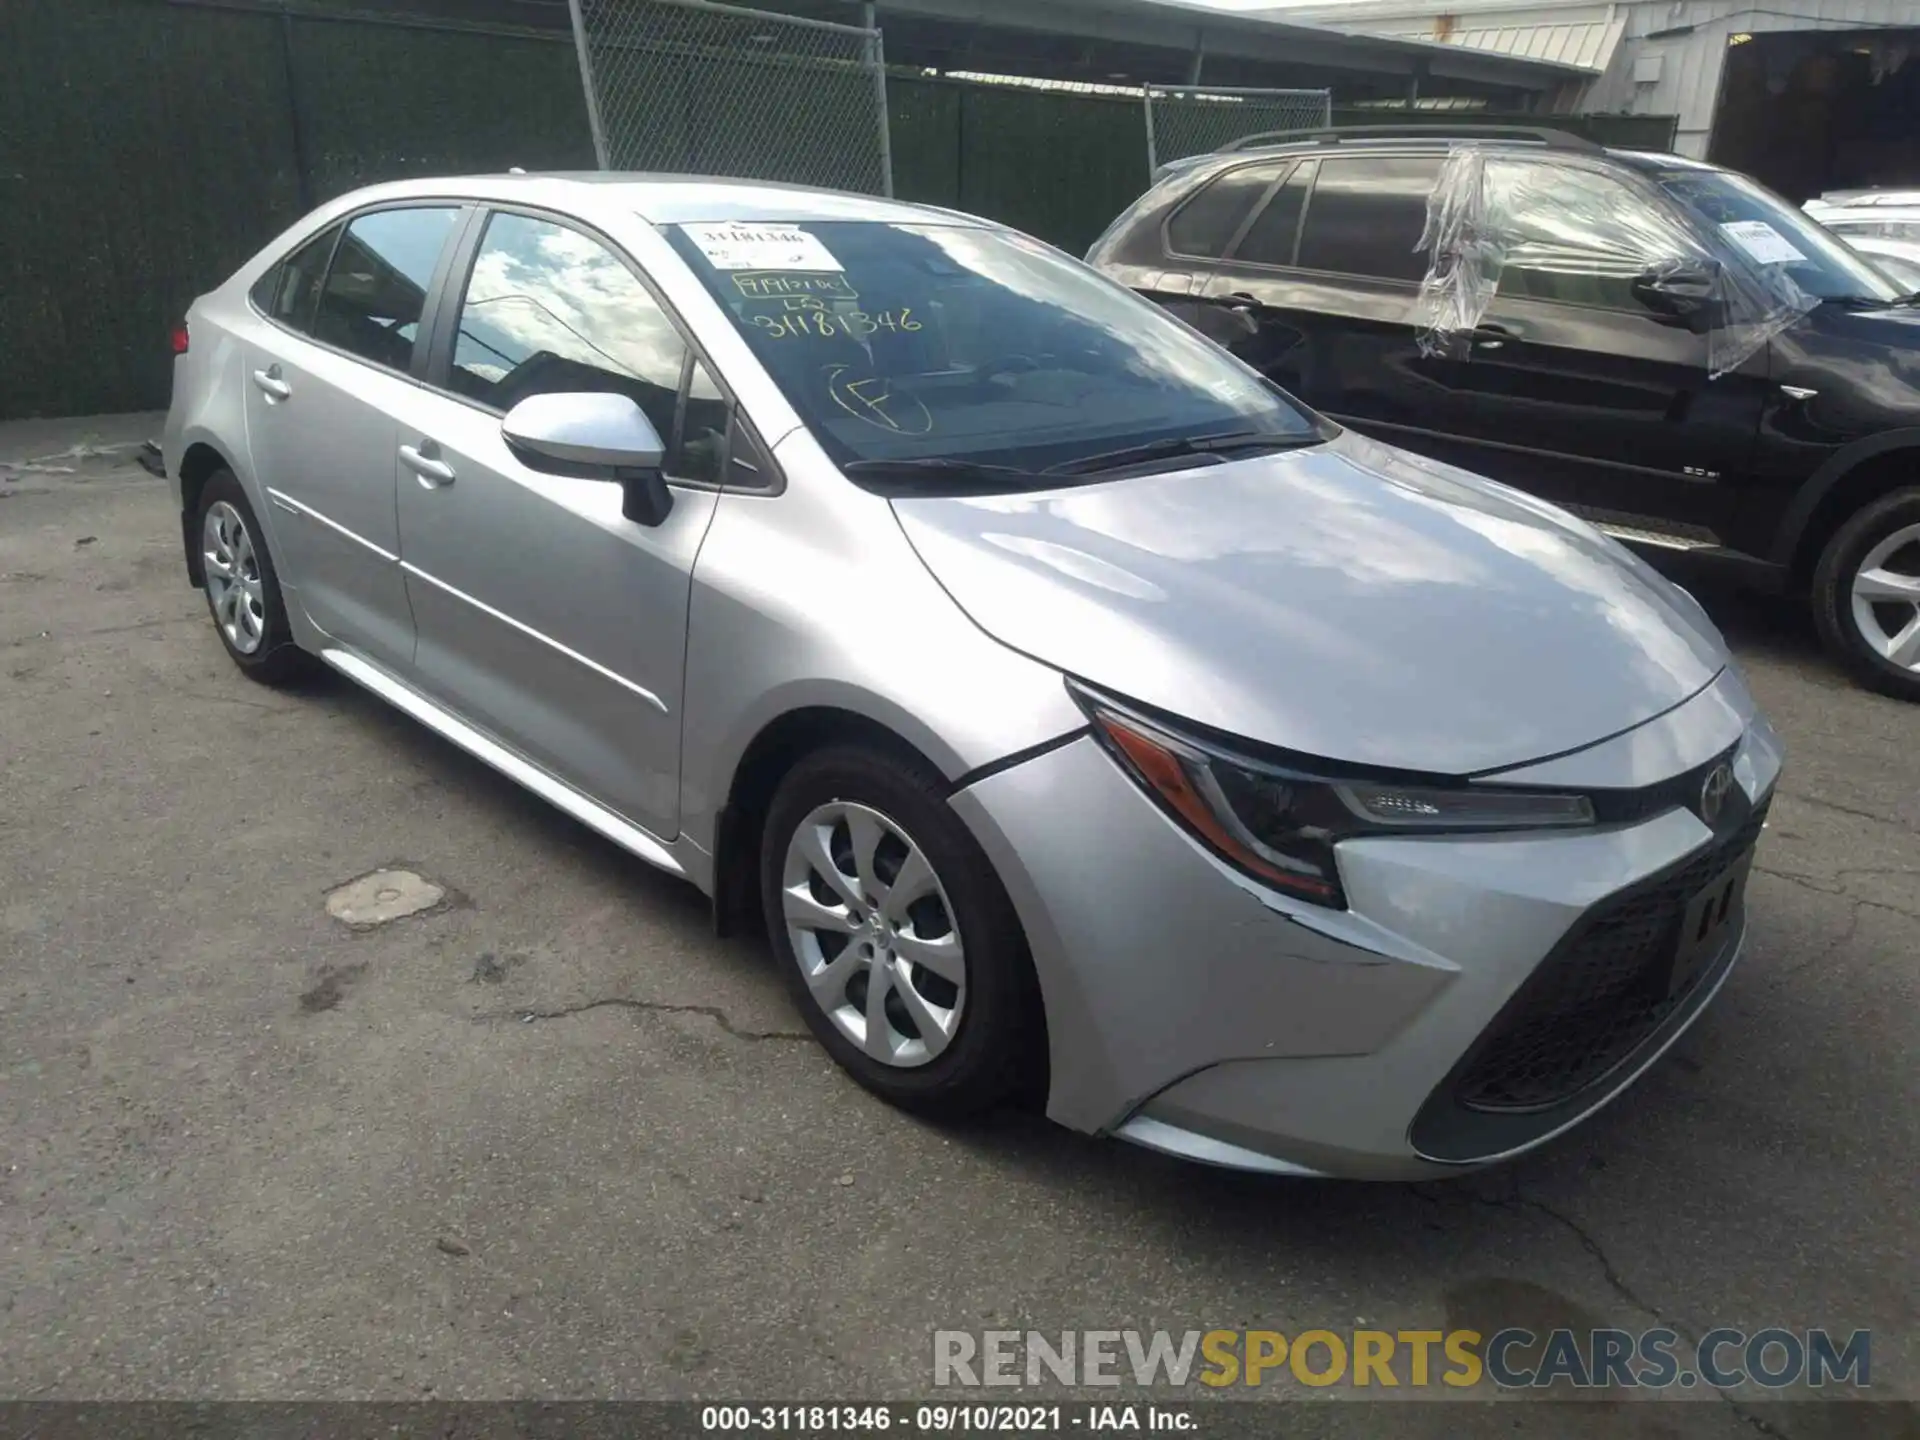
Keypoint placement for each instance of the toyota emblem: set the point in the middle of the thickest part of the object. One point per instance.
(1713, 792)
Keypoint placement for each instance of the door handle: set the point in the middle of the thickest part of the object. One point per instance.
(433, 472)
(271, 384)
(1489, 337)
(1241, 303)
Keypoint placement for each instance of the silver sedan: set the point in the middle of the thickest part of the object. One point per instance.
(1080, 716)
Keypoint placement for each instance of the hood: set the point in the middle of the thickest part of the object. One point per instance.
(1895, 325)
(1349, 601)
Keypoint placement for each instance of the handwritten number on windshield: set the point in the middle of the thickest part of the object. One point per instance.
(827, 325)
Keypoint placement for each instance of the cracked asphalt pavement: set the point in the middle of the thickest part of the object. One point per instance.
(550, 1138)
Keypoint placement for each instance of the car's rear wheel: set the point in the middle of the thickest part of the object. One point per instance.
(242, 587)
(901, 947)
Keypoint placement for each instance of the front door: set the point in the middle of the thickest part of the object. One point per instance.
(324, 377)
(543, 614)
(1571, 387)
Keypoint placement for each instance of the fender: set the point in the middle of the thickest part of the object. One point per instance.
(1793, 524)
(240, 462)
(711, 789)
(209, 408)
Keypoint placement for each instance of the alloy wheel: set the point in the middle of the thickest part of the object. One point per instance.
(1886, 598)
(234, 587)
(872, 929)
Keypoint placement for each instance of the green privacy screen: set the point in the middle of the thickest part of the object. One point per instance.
(148, 147)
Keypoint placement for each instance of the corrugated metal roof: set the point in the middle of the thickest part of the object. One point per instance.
(1582, 35)
(1691, 37)
(1248, 34)
(1589, 45)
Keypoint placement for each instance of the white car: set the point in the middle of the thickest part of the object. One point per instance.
(1876, 214)
(1898, 260)
(1883, 225)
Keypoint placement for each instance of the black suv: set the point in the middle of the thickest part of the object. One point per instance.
(1587, 376)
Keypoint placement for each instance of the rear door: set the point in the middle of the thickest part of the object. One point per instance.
(1324, 281)
(325, 374)
(1170, 257)
(544, 615)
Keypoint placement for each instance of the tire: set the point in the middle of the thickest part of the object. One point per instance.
(251, 618)
(1882, 543)
(985, 1040)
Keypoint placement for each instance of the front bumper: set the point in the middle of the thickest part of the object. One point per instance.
(1191, 1010)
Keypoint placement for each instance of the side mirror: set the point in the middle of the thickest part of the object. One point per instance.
(1683, 290)
(594, 436)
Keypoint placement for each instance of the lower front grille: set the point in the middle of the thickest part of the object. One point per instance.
(1597, 997)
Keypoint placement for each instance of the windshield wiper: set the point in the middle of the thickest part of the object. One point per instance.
(1180, 445)
(938, 469)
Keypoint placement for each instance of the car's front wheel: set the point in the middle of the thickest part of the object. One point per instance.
(901, 947)
(1866, 594)
(242, 587)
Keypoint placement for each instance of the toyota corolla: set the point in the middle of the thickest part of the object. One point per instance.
(1078, 714)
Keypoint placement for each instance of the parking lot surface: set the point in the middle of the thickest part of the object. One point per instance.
(548, 1137)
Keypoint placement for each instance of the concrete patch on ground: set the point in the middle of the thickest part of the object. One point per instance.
(383, 897)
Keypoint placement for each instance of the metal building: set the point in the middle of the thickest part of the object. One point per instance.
(1808, 95)
(1174, 42)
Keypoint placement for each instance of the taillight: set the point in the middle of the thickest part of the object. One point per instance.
(180, 339)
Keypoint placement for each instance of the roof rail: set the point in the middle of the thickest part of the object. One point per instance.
(1549, 139)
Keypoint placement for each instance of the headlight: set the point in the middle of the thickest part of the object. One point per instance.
(1280, 822)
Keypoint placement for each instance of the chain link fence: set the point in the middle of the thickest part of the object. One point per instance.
(1197, 119)
(706, 89)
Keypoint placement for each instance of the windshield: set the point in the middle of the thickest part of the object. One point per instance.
(1758, 226)
(948, 347)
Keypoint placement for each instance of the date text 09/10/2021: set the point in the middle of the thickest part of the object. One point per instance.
(946, 1418)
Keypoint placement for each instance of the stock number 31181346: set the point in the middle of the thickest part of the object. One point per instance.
(830, 324)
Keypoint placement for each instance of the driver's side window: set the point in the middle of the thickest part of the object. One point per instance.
(1575, 236)
(548, 308)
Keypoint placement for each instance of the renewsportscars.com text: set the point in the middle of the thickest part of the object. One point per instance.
(1512, 1358)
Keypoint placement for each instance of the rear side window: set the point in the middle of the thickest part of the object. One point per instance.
(1206, 224)
(1366, 215)
(290, 290)
(377, 287)
(1276, 229)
